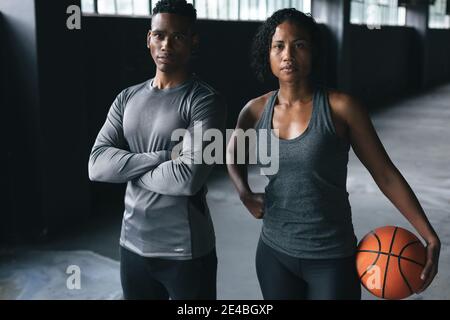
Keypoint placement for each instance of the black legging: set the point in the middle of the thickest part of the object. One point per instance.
(158, 279)
(285, 277)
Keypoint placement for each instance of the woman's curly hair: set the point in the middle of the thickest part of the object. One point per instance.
(263, 39)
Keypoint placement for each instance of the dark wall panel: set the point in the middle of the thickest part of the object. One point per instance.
(438, 50)
(65, 186)
(23, 167)
(48, 127)
(5, 131)
(383, 63)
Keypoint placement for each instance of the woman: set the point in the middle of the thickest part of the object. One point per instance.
(307, 244)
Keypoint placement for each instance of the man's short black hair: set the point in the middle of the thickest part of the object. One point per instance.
(180, 7)
(263, 39)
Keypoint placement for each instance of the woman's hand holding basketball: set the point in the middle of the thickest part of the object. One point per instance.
(431, 267)
(254, 202)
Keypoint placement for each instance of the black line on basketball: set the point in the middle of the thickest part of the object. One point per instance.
(387, 263)
(403, 276)
(409, 259)
(394, 255)
(400, 265)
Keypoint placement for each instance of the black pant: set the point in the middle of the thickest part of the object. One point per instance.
(285, 277)
(161, 279)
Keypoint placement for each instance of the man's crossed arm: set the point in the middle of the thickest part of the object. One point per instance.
(154, 171)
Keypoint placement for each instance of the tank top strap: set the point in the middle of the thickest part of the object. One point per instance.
(323, 120)
(265, 121)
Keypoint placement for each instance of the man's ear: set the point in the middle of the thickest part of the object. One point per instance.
(148, 38)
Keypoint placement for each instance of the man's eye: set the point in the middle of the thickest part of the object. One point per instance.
(301, 45)
(179, 37)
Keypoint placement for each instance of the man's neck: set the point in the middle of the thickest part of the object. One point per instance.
(165, 80)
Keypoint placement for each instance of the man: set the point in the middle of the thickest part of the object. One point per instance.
(167, 238)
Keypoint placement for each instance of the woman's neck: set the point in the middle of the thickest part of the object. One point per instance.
(299, 92)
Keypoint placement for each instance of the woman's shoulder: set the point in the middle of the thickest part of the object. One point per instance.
(253, 110)
(341, 103)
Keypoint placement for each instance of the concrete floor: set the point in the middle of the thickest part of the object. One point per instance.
(416, 135)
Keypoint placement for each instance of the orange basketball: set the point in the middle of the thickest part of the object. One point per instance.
(390, 261)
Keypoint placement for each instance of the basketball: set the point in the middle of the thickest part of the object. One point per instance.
(389, 261)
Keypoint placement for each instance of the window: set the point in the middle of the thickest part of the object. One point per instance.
(106, 7)
(257, 10)
(141, 7)
(88, 6)
(377, 12)
(439, 19)
(116, 7)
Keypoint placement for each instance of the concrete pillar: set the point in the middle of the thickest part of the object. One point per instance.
(417, 16)
(336, 16)
(48, 164)
(23, 169)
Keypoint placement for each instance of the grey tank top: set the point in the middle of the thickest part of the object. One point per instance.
(307, 211)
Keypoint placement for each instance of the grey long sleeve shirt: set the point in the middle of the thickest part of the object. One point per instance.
(166, 214)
